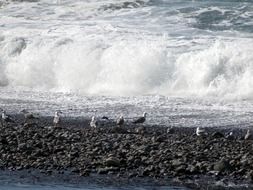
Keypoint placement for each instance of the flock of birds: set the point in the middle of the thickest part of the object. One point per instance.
(203, 133)
(120, 121)
(28, 116)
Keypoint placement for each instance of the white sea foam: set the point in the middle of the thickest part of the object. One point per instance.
(130, 68)
(100, 47)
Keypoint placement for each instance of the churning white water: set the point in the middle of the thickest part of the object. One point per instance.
(187, 62)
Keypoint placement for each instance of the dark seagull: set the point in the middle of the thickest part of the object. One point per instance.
(120, 121)
(141, 119)
(105, 118)
(230, 136)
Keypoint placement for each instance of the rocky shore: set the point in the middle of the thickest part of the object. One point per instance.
(130, 152)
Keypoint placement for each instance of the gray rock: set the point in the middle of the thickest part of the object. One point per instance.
(217, 135)
(112, 161)
(222, 166)
(176, 162)
(170, 130)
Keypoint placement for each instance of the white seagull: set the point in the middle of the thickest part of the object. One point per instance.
(5, 118)
(57, 118)
(93, 122)
(200, 132)
(248, 135)
(141, 119)
(120, 121)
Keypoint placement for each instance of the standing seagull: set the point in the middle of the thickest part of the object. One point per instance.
(141, 119)
(93, 122)
(200, 132)
(248, 135)
(230, 136)
(57, 119)
(5, 119)
(120, 121)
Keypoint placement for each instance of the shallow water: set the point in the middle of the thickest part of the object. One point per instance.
(76, 187)
(22, 180)
(162, 110)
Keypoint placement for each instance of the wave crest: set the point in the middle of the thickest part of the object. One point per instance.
(224, 69)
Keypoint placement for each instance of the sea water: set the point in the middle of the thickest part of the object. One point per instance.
(35, 181)
(185, 62)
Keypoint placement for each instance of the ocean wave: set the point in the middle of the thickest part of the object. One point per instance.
(128, 47)
(222, 69)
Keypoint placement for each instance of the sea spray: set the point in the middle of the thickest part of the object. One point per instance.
(129, 68)
(125, 48)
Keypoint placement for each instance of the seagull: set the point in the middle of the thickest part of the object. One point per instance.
(141, 119)
(230, 136)
(6, 118)
(57, 118)
(120, 121)
(29, 116)
(170, 130)
(248, 135)
(105, 118)
(200, 132)
(93, 122)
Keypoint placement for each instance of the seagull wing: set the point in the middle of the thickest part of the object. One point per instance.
(139, 120)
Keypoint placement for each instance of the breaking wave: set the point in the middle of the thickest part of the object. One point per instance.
(129, 68)
(127, 48)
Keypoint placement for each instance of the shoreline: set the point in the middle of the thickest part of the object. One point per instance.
(129, 153)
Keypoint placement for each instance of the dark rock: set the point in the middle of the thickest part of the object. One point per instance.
(75, 170)
(148, 170)
(112, 161)
(22, 146)
(140, 130)
(180, 170)
(102, 171)
(170, 130)
(192, 170)
(250, 175)
(217, 135)
(177, 162)
(222, 166)
(106, 170)
(84, 173)
(121, 130)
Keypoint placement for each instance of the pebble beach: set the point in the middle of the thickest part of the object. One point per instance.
(128, 152)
